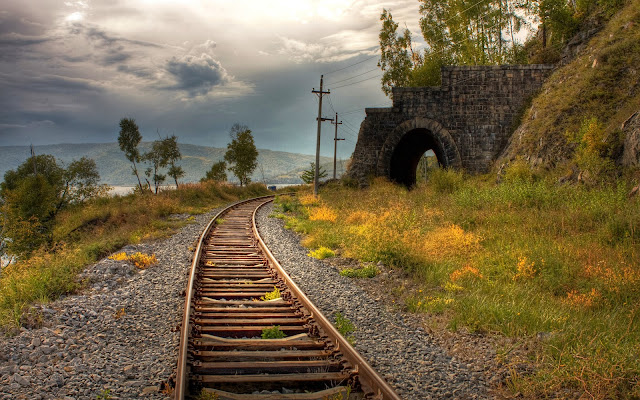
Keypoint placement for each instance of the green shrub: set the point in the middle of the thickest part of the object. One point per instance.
(273, 333)
(446, 180)
(345, 327)
(273, 295)
(369, 271)
(321, 253)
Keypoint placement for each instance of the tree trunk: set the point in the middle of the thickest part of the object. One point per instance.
(135, 171)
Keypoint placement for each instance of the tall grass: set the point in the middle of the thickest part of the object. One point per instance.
(87, 232)
(526, 258)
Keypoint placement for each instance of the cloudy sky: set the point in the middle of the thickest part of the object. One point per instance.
(69, 70)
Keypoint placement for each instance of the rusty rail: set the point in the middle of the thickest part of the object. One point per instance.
(219, 353)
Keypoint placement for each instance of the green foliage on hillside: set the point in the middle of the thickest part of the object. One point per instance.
(602, 84)
(32, 195)
(485, 32)
(555, 267)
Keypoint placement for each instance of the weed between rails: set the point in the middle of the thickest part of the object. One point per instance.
(556, 267)
(273, 332)
(273, 295)
(87, 232)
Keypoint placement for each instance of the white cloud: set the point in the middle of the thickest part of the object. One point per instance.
(75, 17)
(300, 52)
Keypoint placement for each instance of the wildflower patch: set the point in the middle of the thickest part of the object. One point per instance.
(140, 260)
(465, 272)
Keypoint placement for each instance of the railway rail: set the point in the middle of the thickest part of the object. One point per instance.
(222, 352)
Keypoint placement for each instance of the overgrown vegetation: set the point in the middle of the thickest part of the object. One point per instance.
(34, 194)
(599, 89)
(82, 233)
(345, 327)
(273, 332)
(368, 271)
(140, 260)
(273, 295)
(555, 266)
(321, 253)
(485, 32)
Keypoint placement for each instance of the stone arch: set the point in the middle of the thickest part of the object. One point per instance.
(406, 144)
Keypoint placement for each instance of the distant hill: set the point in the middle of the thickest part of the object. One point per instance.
(115, 169)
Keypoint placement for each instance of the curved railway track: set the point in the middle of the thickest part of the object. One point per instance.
(221, 350)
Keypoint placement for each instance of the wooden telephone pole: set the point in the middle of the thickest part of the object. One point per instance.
(319, 119)
(335, 144)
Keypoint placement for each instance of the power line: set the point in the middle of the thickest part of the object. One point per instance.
(355, 76)
(349, 66)
(355, 83)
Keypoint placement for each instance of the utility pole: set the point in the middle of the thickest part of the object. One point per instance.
(320, 119)
(335, 144)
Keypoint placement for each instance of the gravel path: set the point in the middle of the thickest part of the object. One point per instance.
(404, 354)
(117, 338)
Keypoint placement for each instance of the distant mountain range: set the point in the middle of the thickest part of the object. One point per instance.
(273, 166)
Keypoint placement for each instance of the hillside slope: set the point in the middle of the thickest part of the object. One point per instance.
(115, 169)
(602, 82)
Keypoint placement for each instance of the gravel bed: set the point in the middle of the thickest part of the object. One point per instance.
(117, 339)
(403, 353)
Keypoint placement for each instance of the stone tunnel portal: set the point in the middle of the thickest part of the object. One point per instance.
(407, 154)
(467, 121)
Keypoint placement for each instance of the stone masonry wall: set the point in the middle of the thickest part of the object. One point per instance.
(476, 106)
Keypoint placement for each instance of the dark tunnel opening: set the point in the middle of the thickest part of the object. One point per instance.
(407, 155)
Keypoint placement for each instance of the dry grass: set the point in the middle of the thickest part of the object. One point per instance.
(93, 230)
(526, 259)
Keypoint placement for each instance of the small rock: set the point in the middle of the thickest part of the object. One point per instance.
(20, 380)
(148, 390)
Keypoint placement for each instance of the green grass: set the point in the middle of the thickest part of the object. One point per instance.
(87, 232)
(345, 327)
(273, 332)
(321, 253)
(523, 258)
(368, 271)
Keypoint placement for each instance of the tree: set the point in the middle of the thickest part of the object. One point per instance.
(456, 33)
(308, 175)
(128, 140)
(241, 153)
(81, 181)
(218, 172)
(172, 152)
(34, 193)
(395, 60)
(157, 156)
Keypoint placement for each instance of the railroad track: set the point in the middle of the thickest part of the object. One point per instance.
(222, 354)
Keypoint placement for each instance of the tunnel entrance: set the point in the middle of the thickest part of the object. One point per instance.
(416, 148)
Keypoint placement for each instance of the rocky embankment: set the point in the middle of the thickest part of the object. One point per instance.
(117, 339)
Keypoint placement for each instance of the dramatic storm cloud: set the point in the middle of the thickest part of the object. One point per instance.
(69, 70)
